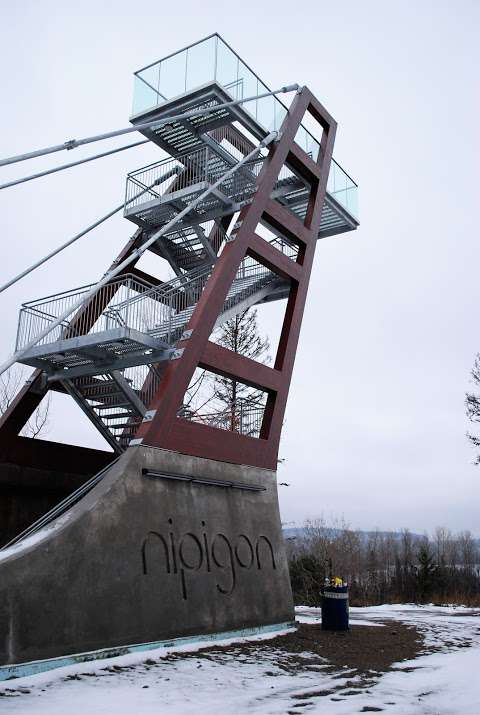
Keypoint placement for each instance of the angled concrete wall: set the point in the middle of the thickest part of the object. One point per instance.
(35, 475)
(145, 558)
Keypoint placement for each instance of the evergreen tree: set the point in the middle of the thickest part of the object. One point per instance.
(426, 571)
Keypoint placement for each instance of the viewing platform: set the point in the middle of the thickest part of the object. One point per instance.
(207, 74)
(157, 192)
(129, 322)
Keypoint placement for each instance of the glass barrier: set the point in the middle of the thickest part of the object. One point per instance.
(343, 188)
(210, 60)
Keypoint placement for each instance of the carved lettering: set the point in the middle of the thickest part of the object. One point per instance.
(249, 562)
(152, 537)
(226, 564)
(219, 554)
(263, 539)
(186, 564)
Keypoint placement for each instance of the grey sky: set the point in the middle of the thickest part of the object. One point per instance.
(375, 427)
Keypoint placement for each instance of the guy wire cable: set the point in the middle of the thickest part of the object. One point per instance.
(135, 254)
(74, 143)
(53, 253)
(69, 166)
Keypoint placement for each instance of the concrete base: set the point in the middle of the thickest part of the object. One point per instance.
(146, 557)
(35, 475)
(25, 670)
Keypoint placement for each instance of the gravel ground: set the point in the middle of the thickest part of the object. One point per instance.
(401, 659)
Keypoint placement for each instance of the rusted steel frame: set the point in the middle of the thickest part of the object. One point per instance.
(232, 135)
(202, 440)
(145, 277)
(273, 259)
(304, 164)
(276, 402)
(283, 221)
(219, 227)
(164, 430)
(291, 329)
(22, 407)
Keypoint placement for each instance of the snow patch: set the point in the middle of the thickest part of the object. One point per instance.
(258, 681)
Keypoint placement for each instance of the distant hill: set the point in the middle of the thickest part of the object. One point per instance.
(294, 532)
(297, 532)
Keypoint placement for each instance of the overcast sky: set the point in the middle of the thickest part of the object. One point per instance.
(375, 426)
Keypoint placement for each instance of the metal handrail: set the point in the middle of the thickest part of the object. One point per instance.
(158, 310)
(33, 317)
(194, 167)
(247, 416)
(197, 167)
(78, 291)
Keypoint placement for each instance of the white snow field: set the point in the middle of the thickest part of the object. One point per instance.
(443, 682)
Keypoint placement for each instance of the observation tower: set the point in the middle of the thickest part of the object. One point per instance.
(175, 531)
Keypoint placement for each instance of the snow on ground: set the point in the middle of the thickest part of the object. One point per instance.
(444, 682)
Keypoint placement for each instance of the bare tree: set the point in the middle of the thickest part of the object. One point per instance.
(472, 404)
(385, 567)
(10, 383)
(467, 549)
(442, 538)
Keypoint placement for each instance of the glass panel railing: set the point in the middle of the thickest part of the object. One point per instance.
(343, 188)
(211, 60)
(226, 68)
(248, 86)
(173, 75)
(200, 64)
(208, 60)
(144, 96)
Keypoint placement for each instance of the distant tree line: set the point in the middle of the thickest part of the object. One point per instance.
(385, 567)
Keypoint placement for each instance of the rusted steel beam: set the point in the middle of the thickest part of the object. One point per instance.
(285, 222)
(273, 259)
(229, 364)
(303, 163)
(22, 407)
(87, 316)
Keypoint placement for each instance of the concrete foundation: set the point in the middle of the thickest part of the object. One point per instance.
(146, 556)
(32, 481)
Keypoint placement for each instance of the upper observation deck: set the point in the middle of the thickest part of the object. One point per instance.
(209, 73)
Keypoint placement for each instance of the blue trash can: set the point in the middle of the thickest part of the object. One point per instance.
(335, 608)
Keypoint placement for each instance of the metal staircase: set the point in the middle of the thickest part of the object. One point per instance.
(112, 403)
(96, 369)
(178, 181)
(111, 352)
